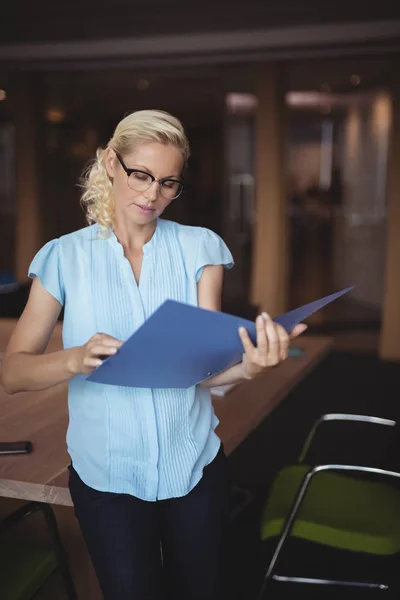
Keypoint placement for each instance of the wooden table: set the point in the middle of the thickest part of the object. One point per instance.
(42, 418)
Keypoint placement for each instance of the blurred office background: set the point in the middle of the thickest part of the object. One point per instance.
(290, 115)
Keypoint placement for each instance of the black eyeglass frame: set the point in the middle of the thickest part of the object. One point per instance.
(160, 182)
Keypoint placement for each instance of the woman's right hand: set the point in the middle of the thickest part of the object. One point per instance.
(86, 358)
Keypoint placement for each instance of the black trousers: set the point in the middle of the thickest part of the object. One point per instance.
(169, 549)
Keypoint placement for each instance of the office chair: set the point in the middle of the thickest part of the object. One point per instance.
(24, 569)
(341, 506)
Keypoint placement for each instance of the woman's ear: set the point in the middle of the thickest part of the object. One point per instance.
(109, 162)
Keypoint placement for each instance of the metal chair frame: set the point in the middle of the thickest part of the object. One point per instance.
(28, 510)
(271, 574)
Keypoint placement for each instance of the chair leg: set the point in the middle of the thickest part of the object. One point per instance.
(265, 589)
(62, 557)
(331, 582)
(247, 497)
(271, 577)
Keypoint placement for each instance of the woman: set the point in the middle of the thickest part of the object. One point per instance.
(147, 469)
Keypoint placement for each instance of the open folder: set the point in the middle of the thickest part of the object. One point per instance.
(182, 345)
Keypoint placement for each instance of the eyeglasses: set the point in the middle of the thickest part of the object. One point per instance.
(140, 181)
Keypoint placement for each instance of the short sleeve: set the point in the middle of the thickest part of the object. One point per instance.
(46, 266)
(211, 250)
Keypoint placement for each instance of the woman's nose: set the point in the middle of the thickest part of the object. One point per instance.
(152, 191)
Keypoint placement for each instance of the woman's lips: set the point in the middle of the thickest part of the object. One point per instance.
(147, 210)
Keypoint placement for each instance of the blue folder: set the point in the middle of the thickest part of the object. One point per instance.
(181, 345)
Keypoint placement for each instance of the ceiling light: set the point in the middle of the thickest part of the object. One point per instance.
(55, 115)
(241, 103)
(143, 84)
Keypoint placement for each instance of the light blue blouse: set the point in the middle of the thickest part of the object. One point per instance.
(150, 443)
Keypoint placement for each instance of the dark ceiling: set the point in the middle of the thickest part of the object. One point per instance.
(49, 20)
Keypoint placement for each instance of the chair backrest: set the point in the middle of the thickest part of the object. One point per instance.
(362, 444)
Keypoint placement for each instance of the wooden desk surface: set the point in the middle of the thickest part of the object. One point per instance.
(42, 418)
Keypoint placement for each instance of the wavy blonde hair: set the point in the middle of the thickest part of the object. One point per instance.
(139, 127)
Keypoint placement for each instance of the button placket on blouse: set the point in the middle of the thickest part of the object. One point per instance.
(143, 290)
(137, 302)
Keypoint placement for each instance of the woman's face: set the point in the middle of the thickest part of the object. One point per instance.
(137, 202)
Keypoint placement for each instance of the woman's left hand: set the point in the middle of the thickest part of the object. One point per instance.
(272, 345)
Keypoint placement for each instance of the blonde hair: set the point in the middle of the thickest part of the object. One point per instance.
(141, 126)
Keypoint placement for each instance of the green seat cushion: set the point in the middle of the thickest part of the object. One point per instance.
(24, 569)
(338, 510)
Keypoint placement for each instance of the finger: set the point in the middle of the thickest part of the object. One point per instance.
(262, 342)
(246, 341)
(298, 330)
(104, 338)
(273, 340)
(108, 340)
(284, 340)
(91, 363)
(102, 350)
